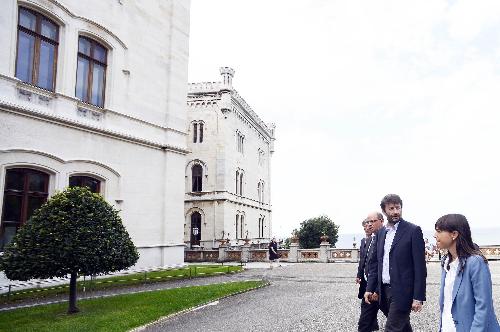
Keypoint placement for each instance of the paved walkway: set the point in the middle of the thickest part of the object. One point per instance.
(304, 297)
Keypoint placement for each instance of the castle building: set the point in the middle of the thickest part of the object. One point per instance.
(93, 93)
(228, 172)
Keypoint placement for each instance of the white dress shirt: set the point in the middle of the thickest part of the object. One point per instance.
(389, 238)
(447, 323)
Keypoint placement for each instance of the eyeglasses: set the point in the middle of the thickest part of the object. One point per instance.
(371, 221)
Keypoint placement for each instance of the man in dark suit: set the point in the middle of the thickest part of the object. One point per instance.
(397, 270)
(368, 317)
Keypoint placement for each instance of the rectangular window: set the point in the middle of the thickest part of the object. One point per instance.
(37, 44)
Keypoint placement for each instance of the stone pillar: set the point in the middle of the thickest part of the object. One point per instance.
(355, 255)
(245, 253)
(323, 251)
(222, 253)
(293, 254)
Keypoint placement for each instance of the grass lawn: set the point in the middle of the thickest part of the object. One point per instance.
(191, 271)
(118, 313)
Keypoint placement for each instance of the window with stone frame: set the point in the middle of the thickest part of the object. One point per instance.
(25, 190)
(237, 181)
(37, 46)
(261, 226)
(197, 175)
(92, 183)
(195, 229)
(240, 140)
(261, 157)
(237, 226)
(198, 128)
(91, 71)
(241, 184)
(242, 226)
(260, 191)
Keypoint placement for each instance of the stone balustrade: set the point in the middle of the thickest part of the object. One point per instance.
(324, 254)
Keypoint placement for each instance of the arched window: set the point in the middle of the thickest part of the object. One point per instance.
(241, 184)
(239, 141)
(25, 191)
(237, 181)
(259, 191)
(197, 174)
(93, 184)
(198, 127)
(37, 44)
(91, 71)
(237, 226)
(242, 225)
(261, 226)
(195, 229)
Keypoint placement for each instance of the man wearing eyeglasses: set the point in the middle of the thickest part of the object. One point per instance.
(368, 317)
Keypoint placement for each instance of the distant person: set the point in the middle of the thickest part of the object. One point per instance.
(368, 317)
(429, 250)
(274, 256)
(466, 300)
(397, 271)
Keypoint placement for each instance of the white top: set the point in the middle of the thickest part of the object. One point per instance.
(389, 238)
(447, 323)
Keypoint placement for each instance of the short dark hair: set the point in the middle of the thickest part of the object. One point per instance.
(391, 198)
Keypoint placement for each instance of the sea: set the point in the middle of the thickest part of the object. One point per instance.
(480, 236)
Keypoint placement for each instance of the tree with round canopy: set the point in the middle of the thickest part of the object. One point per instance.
(76, 232)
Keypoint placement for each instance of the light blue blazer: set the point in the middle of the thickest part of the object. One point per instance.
(472, 307)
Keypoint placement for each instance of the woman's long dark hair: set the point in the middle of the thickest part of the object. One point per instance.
(465, 246)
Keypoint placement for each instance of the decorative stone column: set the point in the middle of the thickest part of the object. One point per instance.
(355, 255)
(222, 253)
(293, 254)
(323, 251)
(245, 253)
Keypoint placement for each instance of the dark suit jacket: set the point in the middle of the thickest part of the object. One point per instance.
(406, 265)
(365, 251)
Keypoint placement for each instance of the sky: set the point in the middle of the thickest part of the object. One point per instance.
(369, 98)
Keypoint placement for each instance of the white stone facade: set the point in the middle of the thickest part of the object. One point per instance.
(234, 157)
(135, 144)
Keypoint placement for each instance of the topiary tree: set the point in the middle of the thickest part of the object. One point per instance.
(74, 232)
(312, 229)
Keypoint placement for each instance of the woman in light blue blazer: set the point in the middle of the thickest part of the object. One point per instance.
(466, 300)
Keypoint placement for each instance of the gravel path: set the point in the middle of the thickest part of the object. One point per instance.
(305, 297)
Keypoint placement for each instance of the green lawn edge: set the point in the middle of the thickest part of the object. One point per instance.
(121, 312)
(120, 281)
